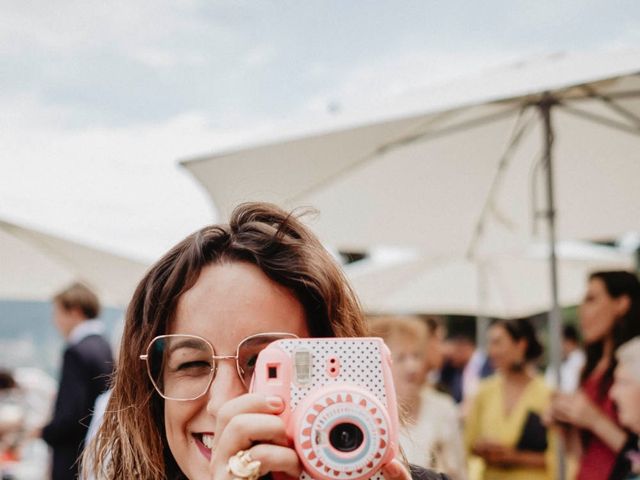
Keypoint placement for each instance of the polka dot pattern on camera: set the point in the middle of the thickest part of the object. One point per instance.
(360, 365)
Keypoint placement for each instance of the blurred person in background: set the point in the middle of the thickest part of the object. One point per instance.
(12, 416)
(86, 368)
(463, 367)
(504, 424)
(435, 350)
(430, 437)
(609, 316)
(573, 359)
(625, 392)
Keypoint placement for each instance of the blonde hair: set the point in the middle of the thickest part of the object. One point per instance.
(388, 327)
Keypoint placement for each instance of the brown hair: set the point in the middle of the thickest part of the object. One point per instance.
(80, 297)
(435, 324)
(131, 442)
(617, 283)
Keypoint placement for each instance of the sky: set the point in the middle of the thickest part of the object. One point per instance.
(100, 100)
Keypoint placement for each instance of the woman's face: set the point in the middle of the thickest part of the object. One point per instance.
(626, 393)
(503, 350)
(228, 303)
(598, 312)
(408, 367)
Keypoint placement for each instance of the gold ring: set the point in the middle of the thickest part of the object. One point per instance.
(242, 466)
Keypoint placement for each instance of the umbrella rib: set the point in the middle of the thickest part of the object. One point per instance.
(520, 128)
(578, 112)
(608, 101)
(430, 121)
(624, 94)
(472, 123)
(394, 144)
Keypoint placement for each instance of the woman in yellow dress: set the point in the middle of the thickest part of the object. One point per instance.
(504, 425)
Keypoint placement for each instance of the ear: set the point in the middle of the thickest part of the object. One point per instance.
(76, 313)
(623, 304)
(522, 347)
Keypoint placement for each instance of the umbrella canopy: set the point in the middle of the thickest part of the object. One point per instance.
(442, 166)
(35, 266)
(501, 286)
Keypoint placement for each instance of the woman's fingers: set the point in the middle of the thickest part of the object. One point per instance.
(248, 403)
(271, 458)
(562, 407)
(241, 423)
(275, 458)
(395, 470)
(246, 429)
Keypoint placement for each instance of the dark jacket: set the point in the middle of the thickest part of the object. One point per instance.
(86, 368)
(419, 473)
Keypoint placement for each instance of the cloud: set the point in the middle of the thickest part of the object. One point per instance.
(161, 58)
(371, 83)
(76, 25)
(114, 188)
(260, 56)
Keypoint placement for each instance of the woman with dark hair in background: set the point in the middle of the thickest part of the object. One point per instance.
(504, 426)
(626, 393)
(609, 316)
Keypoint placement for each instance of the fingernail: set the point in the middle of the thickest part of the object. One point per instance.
(275, 402)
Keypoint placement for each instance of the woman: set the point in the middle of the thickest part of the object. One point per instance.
(626, 393)
(431, 435)
(225, 286)
(503, 426)
(609, 316)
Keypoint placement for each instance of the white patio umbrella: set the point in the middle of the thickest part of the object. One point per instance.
(501, 285)
(35, 265)
(428, 170)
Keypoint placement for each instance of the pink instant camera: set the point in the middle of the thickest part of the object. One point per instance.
(340, 403)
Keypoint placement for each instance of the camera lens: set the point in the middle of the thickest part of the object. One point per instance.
(346, 437)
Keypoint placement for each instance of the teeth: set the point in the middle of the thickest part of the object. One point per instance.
(207, 439)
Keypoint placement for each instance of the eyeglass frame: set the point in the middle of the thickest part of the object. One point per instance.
(214, 357)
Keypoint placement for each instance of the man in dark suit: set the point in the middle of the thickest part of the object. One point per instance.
(86, 367)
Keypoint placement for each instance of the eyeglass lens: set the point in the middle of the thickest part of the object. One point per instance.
(182, 366)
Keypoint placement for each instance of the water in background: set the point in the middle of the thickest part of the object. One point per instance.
(28, 337)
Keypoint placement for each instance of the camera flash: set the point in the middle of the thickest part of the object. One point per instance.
(302, 362)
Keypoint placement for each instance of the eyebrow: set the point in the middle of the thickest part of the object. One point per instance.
(194, 343)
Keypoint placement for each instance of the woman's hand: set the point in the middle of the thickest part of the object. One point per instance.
(502, 456)
(575, 409)
(494, 453)
(251, 423)
(396, 470)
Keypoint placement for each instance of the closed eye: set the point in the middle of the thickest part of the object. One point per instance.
(193, 367)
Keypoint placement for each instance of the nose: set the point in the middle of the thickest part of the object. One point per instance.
(225, 385)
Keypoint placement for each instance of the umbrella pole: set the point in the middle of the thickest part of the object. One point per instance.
(482, 320)
(555, 319)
